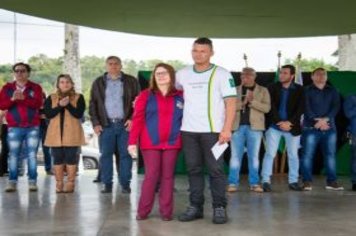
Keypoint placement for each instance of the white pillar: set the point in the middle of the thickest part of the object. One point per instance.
(71, 55)
(347, 52)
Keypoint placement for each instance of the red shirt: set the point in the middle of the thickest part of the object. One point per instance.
(22, 113)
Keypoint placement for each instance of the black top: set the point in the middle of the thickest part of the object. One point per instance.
(245, 112)
(77, 111)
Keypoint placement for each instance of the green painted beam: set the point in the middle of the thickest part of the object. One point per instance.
(193, 18)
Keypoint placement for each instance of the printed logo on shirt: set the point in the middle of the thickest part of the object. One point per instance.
(31, 93)
(180, 105)
(232, 83)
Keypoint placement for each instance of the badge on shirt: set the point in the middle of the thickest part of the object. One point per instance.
(180, 105)
(232, 83)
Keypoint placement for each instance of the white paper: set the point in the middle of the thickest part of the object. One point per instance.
(219, 149)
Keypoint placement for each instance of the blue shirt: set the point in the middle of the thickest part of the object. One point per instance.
(321, 103)
(283, 104)
(282, 110)
(114, 93)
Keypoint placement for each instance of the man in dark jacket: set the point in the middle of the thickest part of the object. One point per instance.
(322, 103)
(110, 110)
(284, 121)
(350, 113)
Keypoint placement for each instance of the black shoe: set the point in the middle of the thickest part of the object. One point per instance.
(295, 187)
(126, 190)
(107, 189)
(192, 213)
(266, 187)
(96, 180)
(353, 187)
(219, 216)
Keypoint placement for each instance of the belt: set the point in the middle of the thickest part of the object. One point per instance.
(115, 120)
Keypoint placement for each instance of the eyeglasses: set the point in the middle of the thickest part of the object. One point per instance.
(20, 71)
(162, 73)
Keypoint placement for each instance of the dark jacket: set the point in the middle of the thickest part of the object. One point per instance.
(97, 109)
(295, 107)
(350, 112)
(321, 103)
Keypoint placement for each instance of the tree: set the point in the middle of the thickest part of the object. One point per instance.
(71, 54)
(5, 74)
(311, 64)
(45, 70)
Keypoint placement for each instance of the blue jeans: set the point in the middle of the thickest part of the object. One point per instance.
(242, 137)
(16, 136)
(114, 136)
(273, 137)
(327, 140)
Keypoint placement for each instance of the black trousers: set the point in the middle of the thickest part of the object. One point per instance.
(4, 150)
(197, 153)
(65, 155)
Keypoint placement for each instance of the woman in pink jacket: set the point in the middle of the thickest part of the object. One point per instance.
(156, 128)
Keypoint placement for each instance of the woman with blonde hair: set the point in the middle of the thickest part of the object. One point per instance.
(65, 134)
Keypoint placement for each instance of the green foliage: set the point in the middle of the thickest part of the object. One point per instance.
(5, 74)
(308, 65)
(45, 70)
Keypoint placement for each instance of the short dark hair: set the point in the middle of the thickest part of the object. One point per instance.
(113, 58)
(204, 41)
(318, 69)
(27, 66)
(290, 67)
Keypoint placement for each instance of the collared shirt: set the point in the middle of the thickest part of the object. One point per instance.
(283, 104)
(114, 93)
(321, 103)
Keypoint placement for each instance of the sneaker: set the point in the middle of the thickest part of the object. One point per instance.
(192, 213)
(126, 190)
(49, 172)
(334, 186)
(307, 186)
(33, 187)
(295, 187)
(266, 187)
(167, 218)
(231, 188)
(106, 188)
(353, 187)
(11, 187)
(256, 188)
(138, 217)
(219, 216)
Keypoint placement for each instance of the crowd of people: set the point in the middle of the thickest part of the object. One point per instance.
(194, 109)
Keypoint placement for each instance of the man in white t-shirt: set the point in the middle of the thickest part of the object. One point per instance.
(208, 117)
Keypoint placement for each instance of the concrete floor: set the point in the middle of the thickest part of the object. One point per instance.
(88, 212)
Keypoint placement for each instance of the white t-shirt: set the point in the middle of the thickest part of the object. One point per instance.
(204, 93)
